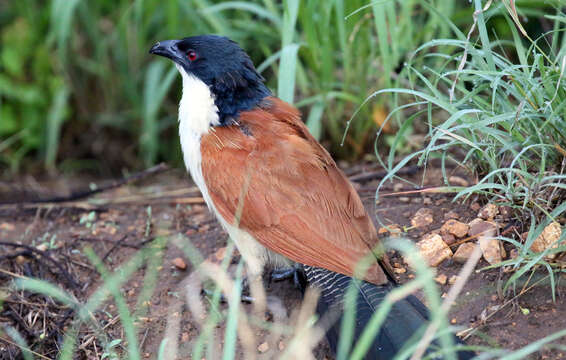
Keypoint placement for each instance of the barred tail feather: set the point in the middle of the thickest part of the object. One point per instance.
(405, 319)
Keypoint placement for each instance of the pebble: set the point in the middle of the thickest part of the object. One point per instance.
(548, 238)
(464, 252)
(422, 218)
(491, 249)
(455, 227)
(440, 201)
(475, 206)
(20, 260)
(488, 212)
(7, 227)
(453, 279)
(179, 263)
(263, 347)
(448, 238)
(451, 215)
(394, 229)
(441, 279)
(458, 181)
(433, 249)
(479, 227)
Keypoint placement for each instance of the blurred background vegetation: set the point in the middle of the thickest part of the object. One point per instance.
(79, 91)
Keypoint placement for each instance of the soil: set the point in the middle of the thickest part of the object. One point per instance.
(55, 241)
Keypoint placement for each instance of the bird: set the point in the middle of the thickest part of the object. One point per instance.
(277, 191)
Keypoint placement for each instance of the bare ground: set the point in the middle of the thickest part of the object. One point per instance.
(51, 241)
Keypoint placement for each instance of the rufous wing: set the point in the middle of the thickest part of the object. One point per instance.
(296, 201)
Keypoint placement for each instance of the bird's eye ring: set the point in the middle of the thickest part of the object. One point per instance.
(191, 55)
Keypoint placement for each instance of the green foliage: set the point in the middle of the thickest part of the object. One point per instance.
(497, 108)
(76, 81)
(33, 97)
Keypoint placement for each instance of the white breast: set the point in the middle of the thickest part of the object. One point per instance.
(197, 112)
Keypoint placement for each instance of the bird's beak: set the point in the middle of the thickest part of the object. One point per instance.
(168, 49)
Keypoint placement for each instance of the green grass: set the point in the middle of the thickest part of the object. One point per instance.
(496, 108)
(85, 65)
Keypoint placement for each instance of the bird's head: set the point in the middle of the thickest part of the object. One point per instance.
(223, 66)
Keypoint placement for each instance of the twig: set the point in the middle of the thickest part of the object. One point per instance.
(24, 348)
(114, 247)
(46, 256)
(88, 192)
(409, 170)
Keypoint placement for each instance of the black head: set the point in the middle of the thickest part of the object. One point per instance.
(221, 64)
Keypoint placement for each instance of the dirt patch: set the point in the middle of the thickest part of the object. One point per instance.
(56, 240)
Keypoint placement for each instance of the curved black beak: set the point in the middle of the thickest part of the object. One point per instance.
(168, 49)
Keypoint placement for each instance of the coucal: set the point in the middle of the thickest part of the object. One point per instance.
(276, 190)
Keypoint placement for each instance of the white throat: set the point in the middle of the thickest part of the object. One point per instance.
(197, 112)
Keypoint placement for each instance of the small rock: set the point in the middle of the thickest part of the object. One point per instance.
(548, 238)
(488, 212)
(398, 187)
(422, 218)
(491, 249)
(506, 212)
(464, 252)
(204, 228)
(263, 347)
(281, 345)
(20, 260)
(220, 253)
(427, 201)
(440, 201)
(441, 279)
(7, 226)
(453, 321)
(475, 206)
(514, 253)
(393, 229)
(41, 247)
(448, 238)
(458, 181)
(404, 199)
(179, 263)
(479, 227)
(433, 249)
(185, 337)
(451, 215)
(453, 279)
(455, 227)
(400, 270)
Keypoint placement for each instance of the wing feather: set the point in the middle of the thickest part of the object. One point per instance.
(296, 200)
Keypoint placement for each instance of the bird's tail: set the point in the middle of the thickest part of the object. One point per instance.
(404, 321)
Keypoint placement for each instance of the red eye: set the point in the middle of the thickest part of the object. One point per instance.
(192, 55)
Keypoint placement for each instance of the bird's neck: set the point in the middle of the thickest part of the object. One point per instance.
(232, 100)
(197, 109)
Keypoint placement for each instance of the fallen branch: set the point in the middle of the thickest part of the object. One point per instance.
(81, 194)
